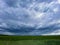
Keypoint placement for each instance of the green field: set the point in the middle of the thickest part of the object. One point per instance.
(29, 40)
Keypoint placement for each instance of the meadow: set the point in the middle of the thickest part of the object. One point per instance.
(29, 40)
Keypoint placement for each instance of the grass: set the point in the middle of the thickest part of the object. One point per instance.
(29, 40)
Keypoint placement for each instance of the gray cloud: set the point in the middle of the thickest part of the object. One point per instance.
(28, 17)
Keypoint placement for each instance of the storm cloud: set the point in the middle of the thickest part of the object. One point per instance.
(32, 17)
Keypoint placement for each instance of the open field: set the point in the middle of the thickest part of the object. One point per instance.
(29, 40)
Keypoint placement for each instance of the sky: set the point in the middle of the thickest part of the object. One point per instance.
(30, 17)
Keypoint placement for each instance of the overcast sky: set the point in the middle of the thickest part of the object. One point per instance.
(30, 17)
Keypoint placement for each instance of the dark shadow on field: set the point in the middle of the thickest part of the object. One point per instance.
(17, 38)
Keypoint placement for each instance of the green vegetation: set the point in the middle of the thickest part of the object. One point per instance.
(29, 40)
(6, 37)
